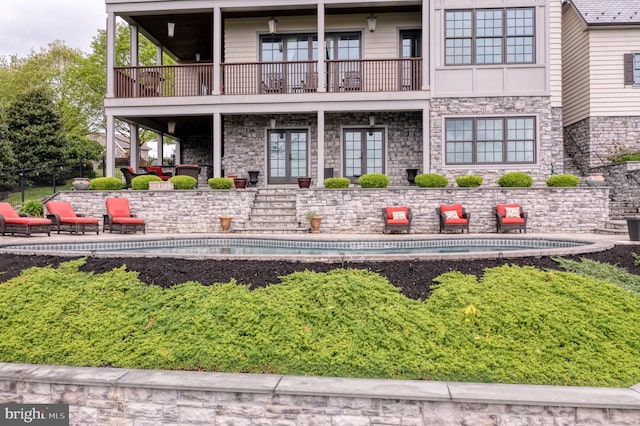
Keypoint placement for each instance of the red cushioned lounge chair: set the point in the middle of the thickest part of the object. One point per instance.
(64, 218)
(120, 219)
(510, 217)
(396, 219)
(453, 217)
(158, 171)
(13, 223)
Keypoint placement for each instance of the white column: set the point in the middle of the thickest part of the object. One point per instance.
(217, 144)
(111, 54)
(426, 136)
(428, 32)
(133, 147)
(320, 179)
(217, 49)
(158, 55)
(110, 158)
(322, 84)
(160, 149)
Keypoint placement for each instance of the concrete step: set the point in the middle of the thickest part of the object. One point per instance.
(273, 224)
(273, 217)
(275, 204)
(270, 230)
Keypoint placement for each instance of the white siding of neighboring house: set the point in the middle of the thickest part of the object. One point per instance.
(500, 79)
(242, 38)
(609, 95)
(575, 65)
(555, 52)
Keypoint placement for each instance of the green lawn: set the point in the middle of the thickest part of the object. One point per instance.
(518, 325)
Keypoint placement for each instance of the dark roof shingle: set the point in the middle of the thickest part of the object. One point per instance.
(608, 12)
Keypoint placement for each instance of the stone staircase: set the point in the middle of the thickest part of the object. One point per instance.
(616, 223)
(274, 212)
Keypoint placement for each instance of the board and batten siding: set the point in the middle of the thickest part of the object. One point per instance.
(609, 95)
(575, 68)
(242, 33)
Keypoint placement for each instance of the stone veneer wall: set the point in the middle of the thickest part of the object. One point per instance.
(110, 396)
(601, 138)
(549, 142)
(359, 210)
(624, 180)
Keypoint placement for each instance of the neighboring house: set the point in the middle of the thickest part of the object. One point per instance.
(122, 148)
(451, 87)
(600, 80)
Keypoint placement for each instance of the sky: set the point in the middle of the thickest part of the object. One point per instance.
(33, 24)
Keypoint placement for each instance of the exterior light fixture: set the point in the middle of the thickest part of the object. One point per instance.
(171, 28)
(372, 20)
(171, 127)
(272, 123)
(372, 120)
(273, 24)
(197, 57)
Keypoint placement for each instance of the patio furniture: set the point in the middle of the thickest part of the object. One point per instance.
(351, 81)
(510, 217)
(12, 222)
(120, 219)
(158, 171)
(129, 174)
(396, 219)
(192, 170)
(453, 217)
(64, 218)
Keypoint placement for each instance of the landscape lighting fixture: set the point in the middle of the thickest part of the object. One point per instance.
(372, 20)
(171, 28)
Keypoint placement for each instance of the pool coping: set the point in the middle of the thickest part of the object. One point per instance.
(593, 242)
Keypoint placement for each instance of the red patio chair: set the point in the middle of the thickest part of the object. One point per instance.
(453, 217)
(120, 219)
(11, 222)
(396, 219)
(64, 218)
(510, 217)
(158, 171)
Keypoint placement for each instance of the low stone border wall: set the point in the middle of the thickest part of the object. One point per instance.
(357, 210)
(110, 396)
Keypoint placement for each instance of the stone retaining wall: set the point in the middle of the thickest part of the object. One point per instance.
(358, 210)
(110, 396)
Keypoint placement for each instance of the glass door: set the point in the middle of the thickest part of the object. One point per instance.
(364, 152)
(288, 156)
(410, 47)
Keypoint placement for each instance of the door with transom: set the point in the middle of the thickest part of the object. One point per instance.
(288, 156)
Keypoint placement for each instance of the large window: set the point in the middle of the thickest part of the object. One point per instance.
(489, 36)
(494, 140)
(363, 151)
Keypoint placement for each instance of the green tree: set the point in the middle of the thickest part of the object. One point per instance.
(34, 128)
(7, 159)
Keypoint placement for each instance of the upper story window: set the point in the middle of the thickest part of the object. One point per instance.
(489, 36)
(632, 69)
(304, 47)
(494, 140)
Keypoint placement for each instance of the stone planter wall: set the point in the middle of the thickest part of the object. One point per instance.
(358, 210)
(110, 396)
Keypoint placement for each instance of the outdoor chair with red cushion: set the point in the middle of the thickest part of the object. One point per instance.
(192, 170)
(158, 171)
(453, 217)
(129, 173)
(12, 222)
(64, 218)
(510, 217)
(120, 219)
(396, 219)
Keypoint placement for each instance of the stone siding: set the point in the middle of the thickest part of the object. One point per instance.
(110, 396)
(358, 210)
(549, 137)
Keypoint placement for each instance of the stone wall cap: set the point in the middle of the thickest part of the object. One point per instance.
(574, 396)
(61, 374)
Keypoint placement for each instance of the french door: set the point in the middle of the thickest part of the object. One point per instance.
(364, 152)
(288, 156)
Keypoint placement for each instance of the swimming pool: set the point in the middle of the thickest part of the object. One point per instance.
(314, 249)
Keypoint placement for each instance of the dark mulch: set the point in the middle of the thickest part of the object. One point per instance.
(413, 277)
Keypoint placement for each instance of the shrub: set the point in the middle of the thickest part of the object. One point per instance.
(515, 180)
(220, 183)
(33, 208)
(183, 182)
(373, 180)
(142, 181)
(563, 180)
(431, 180)
(106, 184)
(627, 157)
(336, 183)
(469, 181)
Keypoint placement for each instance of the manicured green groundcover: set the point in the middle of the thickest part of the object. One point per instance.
(518, 325)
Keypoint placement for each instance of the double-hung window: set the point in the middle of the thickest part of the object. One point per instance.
(489, 36)
(632, 69)
(491, 140)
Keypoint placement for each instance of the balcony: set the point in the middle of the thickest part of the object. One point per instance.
(367, 75)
